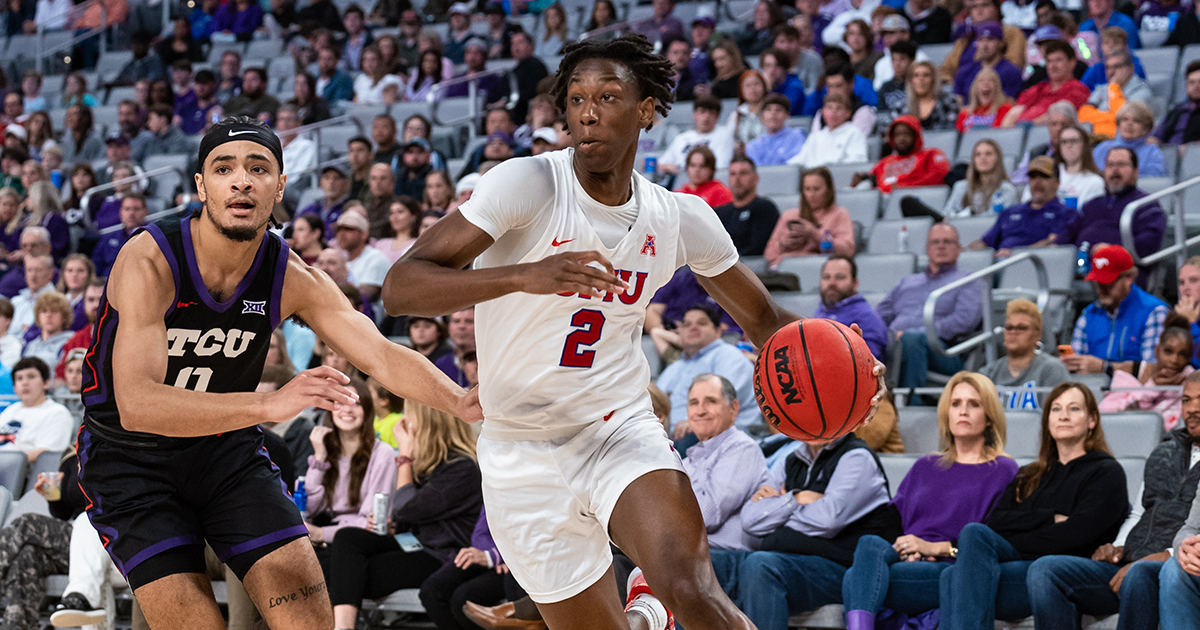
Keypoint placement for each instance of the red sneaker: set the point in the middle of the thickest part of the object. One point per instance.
(637, 586)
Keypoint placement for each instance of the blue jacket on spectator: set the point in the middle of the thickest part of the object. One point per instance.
(339, 88)
(957, 312)
(774, 149)
(863, 89)
(1021, 225)
(1121, 20)
(1150, 157)
(1097, 75)
(856, 310)
(793, 88)
(1121, 336)
(719, 358)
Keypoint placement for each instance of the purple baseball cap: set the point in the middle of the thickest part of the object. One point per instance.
(990, 30)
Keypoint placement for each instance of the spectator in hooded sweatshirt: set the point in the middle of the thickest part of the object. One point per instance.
(910, 163)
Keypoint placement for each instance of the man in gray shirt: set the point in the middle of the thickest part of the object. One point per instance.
(1023, 368)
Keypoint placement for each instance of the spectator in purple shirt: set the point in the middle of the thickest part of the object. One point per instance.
(1099, 221)
(1182, 124)
(475, 575)
(841, 302)
(462, 334)
(989, 52)
(133, 217)
(663, 25)
(940, 494)
(239, 18)
(956, 314)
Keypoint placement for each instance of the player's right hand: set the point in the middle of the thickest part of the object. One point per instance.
(571, 272)
(469, 410)
(322, 387)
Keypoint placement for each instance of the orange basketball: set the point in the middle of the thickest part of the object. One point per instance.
(814, 381)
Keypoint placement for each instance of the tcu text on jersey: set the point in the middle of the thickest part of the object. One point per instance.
(207, 343)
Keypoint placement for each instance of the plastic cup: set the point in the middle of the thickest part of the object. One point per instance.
(53, 488)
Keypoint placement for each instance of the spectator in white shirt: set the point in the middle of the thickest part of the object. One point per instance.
(36, 424)
(39, 279)
(706, 112)
(368, 266)
(299, 152)
(838, 141)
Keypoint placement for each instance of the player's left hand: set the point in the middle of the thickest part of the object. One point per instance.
(880, 393)
(469, 409)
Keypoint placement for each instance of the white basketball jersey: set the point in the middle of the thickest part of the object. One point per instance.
(551, 364)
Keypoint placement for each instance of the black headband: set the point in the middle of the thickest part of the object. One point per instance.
(232, 131)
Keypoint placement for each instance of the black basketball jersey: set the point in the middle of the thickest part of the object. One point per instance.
(212, 346)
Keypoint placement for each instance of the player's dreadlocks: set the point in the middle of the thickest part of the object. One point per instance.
(653, 72)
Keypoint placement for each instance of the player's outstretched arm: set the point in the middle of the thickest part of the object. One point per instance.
(311, 295)
(744, 297)
(141, 289)
(430, 279)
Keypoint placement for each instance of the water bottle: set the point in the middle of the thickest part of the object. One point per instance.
(300, 497)
(827, 242)
(902, 239)
(380, 513)
(997, 202)
(1083, 262)
(651, 165)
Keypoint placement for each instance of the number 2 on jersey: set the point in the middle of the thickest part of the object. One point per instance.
(202, 375)
(588, 324)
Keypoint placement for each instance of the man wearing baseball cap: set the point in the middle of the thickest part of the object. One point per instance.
(989, 53)
(368, 266)
(1123, 324)
(460, 32)
(895, 29)
(1040, 222)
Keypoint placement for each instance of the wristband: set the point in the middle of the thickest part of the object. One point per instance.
(403, 459)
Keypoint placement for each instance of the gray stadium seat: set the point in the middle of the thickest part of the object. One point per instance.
(807, 269)
(932, 196)
(652, 357)
(13, 468)
(783, 180)
(47, 462)
(874, 298)
(1132, 433)
(883, 239)
(1024, 433)
(1037, 135)
(896, 466)
(937, 52)
(918, 428)
(842, 173)
(1135, 468)
(1060, 269)
(947, 141)
(1190, 53)
(338, 137)
(165, 185)
(757, 264)
(110, 63)
(802, 304)
(786, 202)
(1095, 382)
(1152, 185)
(117, 94)
(972, 228)
(878, 273)
(863, 206)
(968, 261)
(262, 51)
(1011, 141)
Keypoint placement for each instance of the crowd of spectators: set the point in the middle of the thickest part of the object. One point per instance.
(807, 87)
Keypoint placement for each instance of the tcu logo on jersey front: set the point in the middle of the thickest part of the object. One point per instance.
(626, 297)
(206, 344)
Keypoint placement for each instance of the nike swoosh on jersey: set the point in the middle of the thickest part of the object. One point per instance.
(555, 242)
(238, 133)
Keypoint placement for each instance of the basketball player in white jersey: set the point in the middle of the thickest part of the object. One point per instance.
(569, 247)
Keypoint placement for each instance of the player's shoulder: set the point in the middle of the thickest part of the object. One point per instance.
(526, 173)
(141, 264)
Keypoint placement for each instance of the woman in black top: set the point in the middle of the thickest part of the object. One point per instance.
(437, 500)
(180, 45)
(313, 108)
(1069, 502)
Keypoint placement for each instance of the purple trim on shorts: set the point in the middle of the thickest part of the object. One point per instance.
(281, 266)
(106, 336)
(156, 549)
(169, 254)
(262, 541)
(198, 280)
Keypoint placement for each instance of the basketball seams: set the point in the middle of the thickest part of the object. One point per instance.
(812, 378)
(769, 352)
(854, 369)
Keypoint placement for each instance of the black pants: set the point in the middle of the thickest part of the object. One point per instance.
(364, 564)
(912, 207)
(445, 592)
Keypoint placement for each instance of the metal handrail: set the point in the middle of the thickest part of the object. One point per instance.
(85, 201)
(317, 126)
(473, 113)
(1043, 300)
(40, 53)
(1182, 242)
(618, 26)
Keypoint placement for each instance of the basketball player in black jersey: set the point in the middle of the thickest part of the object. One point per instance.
(170, 454)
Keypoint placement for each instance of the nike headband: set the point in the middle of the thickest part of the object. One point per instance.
(234, 130)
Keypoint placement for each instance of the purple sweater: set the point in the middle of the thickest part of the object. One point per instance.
(481, 539)
(1099, 221)
(935, 503)
(380, 477)
(856, 310)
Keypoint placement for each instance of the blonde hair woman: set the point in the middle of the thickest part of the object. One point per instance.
(928, 100)
(434, 509)
(986, 188)
(942, 493)
(987, 104)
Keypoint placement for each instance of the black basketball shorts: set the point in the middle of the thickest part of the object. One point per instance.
(156, 506)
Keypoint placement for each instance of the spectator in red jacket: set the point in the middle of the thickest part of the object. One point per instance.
(910, 163)
(701, 166)
(1060, 85)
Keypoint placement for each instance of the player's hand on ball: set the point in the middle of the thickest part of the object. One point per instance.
(880, 393)
(469, 409)
(571, 272)
(322, 387)
(317, 437)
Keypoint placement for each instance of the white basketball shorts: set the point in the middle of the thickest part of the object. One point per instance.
(549, 502)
